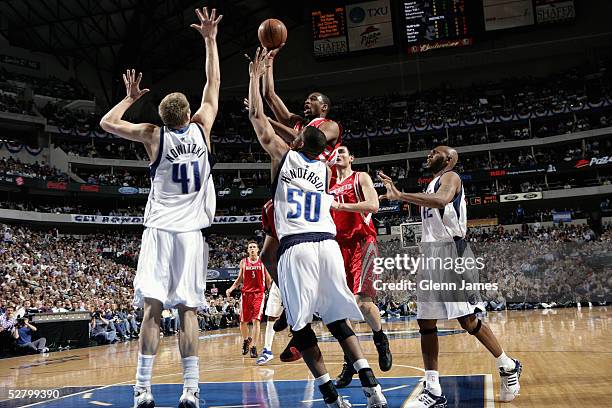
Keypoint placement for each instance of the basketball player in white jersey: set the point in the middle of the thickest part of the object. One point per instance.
(173, 257)
(310, 266)
(288, 125)
(444, 218)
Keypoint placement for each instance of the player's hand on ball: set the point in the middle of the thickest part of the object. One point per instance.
(208, 23)
(272, 54)
(132, 84)
(392, 192)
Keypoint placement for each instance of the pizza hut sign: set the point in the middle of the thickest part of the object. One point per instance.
(600, 162)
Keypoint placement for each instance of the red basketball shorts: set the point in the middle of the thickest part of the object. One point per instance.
(359, 258)
(251, 306)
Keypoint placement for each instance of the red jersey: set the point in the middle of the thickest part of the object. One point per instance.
(254, 278)
(267, 219)
(329, 154)
(351, 225)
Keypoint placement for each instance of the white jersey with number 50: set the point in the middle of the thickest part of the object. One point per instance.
(301, 201)
(182, 196)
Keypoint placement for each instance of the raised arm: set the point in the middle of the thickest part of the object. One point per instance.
(269, 140)
(450, 183)
(275, 103)
(290, 135)
(370, 202)
(112, 122)
(209, 106)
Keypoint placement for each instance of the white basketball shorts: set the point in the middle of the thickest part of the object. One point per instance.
(444, 310)
(171, 268)
(311, 279)
(274, 307)
(448, 304)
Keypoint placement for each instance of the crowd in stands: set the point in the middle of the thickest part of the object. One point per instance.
(10, 103)
(120, 177)
(442, 106)
(534, 267)
(68, 207)
(14, 167)
(48, 86)
(109, 150)
(37, 206)
(244, 179)
(44, 271)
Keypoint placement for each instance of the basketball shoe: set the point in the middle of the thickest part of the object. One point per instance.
(428, 400)
(385, 359)
(510, 385)
(266, 355)
(375, 397)
(253, 352)
(290, 353)
(346, 375)
(190, 398)
(339, 403)
(143, 398)
(245, 346)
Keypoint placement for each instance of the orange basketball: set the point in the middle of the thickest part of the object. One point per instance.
(272, 33)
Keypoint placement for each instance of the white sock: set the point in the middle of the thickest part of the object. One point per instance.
(191, 372)
(144, 370)
(432, 382)
(324, 379)
(269, 335)
(359, 364)
(505, 362)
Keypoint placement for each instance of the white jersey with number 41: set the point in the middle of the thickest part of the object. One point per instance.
(182, 196)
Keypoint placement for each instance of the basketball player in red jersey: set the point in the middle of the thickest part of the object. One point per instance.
(288, 125)
(355, 202)
(254, 279)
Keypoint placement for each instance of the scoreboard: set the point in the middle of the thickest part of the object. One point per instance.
(329, 31)
(354, 27)
(328, 23)
(342, 27)
(436, 24)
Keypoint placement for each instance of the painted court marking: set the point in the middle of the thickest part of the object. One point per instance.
(282, 393)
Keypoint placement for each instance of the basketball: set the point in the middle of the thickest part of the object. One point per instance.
(272, 33)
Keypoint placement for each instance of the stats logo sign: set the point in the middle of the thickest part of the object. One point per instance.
(369, 25)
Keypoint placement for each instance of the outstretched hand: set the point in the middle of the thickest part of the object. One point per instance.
(132, 84)
(208, 24)
(257, 65)
(392, 192)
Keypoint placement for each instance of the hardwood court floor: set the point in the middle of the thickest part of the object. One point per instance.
(565, 353)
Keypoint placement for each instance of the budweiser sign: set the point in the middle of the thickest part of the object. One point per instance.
(438, 45)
